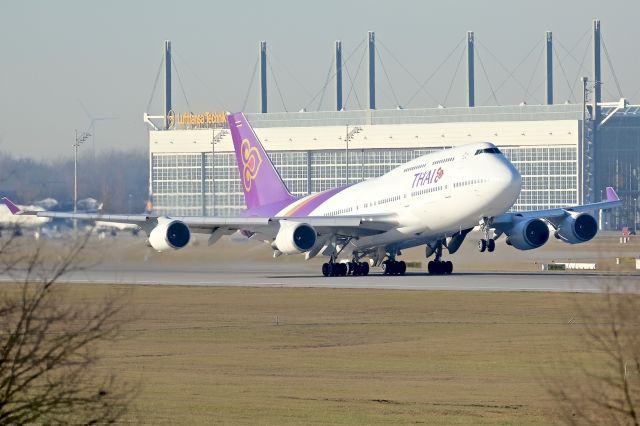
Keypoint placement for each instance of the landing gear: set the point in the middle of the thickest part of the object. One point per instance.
(439, 266)
(487, 243)
(394, 267)
(355, 268)
(358, 268)
(333, 269)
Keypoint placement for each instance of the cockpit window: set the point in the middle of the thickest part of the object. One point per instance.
(488, 151)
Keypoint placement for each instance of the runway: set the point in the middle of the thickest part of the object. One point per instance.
(229, 264)
(265, 275)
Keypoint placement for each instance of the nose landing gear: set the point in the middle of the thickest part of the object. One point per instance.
(487, 243)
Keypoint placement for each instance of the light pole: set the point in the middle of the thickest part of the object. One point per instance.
(635, 216)
(80, 138)
(213, 174)
(347, 139)
(214, 140)
(581, 170)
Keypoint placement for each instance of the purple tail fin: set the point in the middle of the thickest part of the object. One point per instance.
(611, 194)
(259, 179)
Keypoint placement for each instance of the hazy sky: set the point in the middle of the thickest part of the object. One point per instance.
(105, 55)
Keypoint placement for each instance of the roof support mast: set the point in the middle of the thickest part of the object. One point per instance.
(470, 74)
(549, 79)
(167, 82)
(597, 77)
(596, 117)
(263, 76)
(338, 75)
(372, 69)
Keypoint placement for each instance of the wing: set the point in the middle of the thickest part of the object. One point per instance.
(346, 226)
(267, 227)
(504, 221)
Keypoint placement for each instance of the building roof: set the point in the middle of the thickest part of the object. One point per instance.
(417, 116)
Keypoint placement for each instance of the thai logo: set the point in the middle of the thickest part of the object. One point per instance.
(251, 162)
(439, 174)
(428, 177)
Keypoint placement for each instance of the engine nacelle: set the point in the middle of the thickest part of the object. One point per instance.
(528, 234)
(294, 237)
(169, 234)
(577, 228)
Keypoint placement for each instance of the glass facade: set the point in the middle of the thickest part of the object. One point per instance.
(549, 176)
(618, 165)
(183, 185)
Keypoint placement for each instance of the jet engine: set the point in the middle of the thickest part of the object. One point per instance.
(294, 237)
(528, 234)
(169, 234)
(577, 228)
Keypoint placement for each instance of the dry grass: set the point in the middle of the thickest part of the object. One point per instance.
(328, 356)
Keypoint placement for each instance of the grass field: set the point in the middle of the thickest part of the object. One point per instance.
(329, 356)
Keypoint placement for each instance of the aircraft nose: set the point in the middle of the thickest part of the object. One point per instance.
(509, 178)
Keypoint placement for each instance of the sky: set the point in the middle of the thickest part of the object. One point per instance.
(65, 63)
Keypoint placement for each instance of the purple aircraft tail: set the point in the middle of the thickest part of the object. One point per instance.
(260, 181)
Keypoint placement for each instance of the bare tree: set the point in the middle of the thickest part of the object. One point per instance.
(49, 347)
(604, 386)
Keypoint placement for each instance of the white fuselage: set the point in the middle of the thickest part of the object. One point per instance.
(432, 197)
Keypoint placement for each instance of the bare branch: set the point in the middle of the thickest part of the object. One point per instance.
(607, 389)
(49, 347)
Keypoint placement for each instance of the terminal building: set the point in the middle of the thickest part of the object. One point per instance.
(566, 153)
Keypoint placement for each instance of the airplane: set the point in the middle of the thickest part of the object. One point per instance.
(434, 200)
(18, 223)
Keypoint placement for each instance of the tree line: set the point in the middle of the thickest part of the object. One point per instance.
(119, 179)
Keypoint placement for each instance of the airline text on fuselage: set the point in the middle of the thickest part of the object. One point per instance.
(428, 177)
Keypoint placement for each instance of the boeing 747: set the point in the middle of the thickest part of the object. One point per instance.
(434, 200)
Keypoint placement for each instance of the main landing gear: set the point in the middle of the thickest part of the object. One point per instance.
(333, 269)
(439, 266)
(394, 267)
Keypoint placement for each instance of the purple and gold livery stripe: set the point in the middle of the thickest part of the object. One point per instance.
(312, 202)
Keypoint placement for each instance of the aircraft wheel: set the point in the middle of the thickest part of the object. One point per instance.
(356, 269)
(343, 269)
(402, 267)
(491, 245)
(386, 270)
(393, 267)
(482, 245)
(326, 270)
(365, 268)
(448, 267)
